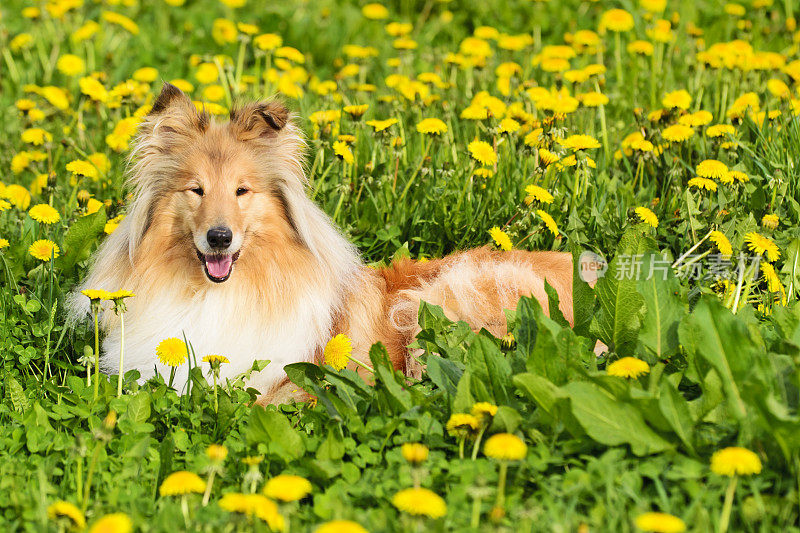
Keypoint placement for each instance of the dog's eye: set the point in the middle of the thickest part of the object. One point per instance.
(242, 190)
(198, 191)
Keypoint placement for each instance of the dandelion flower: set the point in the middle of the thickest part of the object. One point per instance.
(432, 126)
(343, 152)
(677, 133)
(96, 294)
(548, 221)
(501, 238)
(616, 20)
(461, 424)
(375, 11)
(44, 250)
(356, 111)
(482, 152)
(647, 216)
(287, 488)
(734, 461)
(628, 367)
(215, 359)
(216, 452)
(172, 351)
(537, 194)
(719, 130)
(677, 99)
(721, 242)
(414, 452)
(254, 505)
(771, 277)
(338, 351)
(420, 502)
(80, 167)
(3, 243)
(547, 157)
(113, 523)
(340, 526)
(36, 136)
(763, 246)
(580, 142)
(380, 125)
(70, 65)
(505, 447)
(660, 523)
(483, 410)
(67, 510)
(711, 168)
(180, 483)
(44, 213)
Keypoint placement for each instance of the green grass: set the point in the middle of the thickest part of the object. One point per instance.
(600, 449)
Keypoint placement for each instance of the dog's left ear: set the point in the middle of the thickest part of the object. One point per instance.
(258, 120)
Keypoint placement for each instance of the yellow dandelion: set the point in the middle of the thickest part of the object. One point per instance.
(287, 488)
(703, 183)
(44, 213)
(770, 221)
(375, 11)
(771, 277)
(96, 294)
(356, 111)
(763, 246)
(721, 242)
(337, 351)
(508, 125)
(36, 136)
(616, 20)
(67, 510)
(579, 142)
(215, 360)
(414, 452)
(537, 194)
(420, 502)
(44, 250)
(180, 483)
(548, 221)
(483, 410)
(628, 367)
(461, 424)
(380, 125)
(735, 461)
(343, 152)
(711, 168)
(254, 505)
(500, 238)
(505, 447)
(172, 351)
(113, 523)
(677, 133)
(660, 523)
(70, 65)
(432, 126)
(217, 452)
(677, 99)
(482, 152)
(735, 175)
(719, 130)
(3, 243)
(341, 526)
(647, 216)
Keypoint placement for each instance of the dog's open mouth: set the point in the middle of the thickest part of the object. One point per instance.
(218, 267)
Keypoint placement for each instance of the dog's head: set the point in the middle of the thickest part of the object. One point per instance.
(209, 193)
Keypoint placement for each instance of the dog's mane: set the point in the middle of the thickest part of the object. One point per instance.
(273, 137)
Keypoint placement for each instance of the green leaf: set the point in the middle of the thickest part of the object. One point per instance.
(621, 306)
(552, 304)
(388, 380)
(444, 373)
(274, 428)
(490, 369)
(675, 409)
(16, 393)
(664, 308)
(610, 421)
(711, 333)
(139, 407)
(506, 420)
(80, 237)
(583, 296)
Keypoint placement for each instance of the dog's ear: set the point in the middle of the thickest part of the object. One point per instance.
(258, 120)
(174, 113)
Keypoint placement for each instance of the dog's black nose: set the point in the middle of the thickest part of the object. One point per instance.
(219, 237)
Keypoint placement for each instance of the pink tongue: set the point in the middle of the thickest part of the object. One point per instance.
(219, 266)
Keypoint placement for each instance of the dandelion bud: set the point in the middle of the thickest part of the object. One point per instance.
(110, 420)
(414, 452)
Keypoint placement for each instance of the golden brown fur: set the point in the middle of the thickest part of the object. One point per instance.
(294, 281)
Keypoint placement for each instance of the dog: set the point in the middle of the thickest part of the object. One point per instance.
(222, 245)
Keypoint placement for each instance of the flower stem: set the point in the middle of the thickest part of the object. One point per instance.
(96, 354)
(360, 363)
(477, 444)
(725, 516)
(501, 485)
(210, 483)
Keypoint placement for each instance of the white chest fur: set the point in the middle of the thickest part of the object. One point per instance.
(226, 322)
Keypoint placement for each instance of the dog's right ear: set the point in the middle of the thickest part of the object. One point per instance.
(173, 114)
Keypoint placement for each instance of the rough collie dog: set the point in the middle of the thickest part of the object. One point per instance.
(222, 245)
